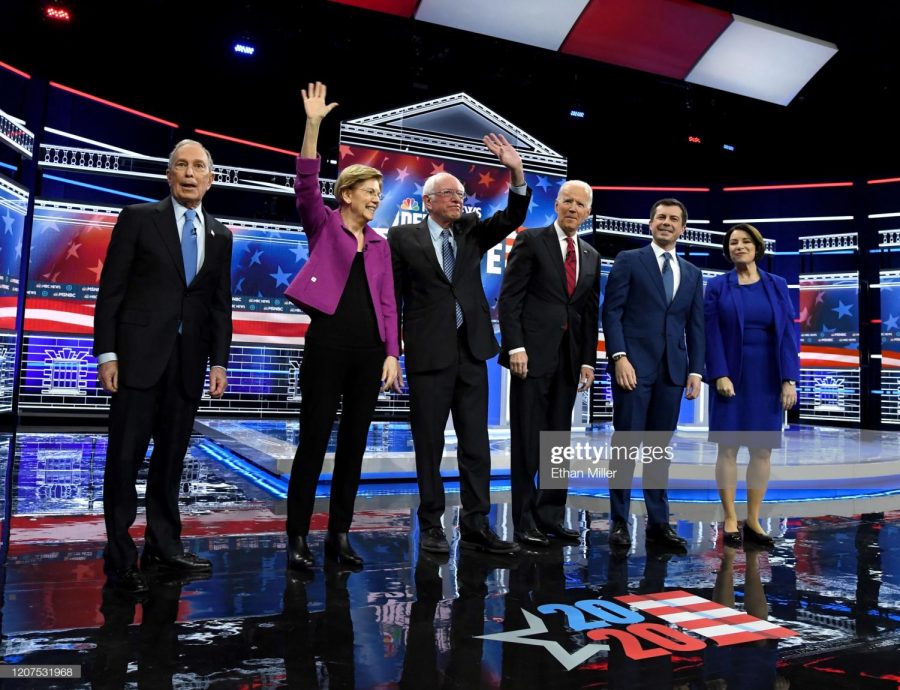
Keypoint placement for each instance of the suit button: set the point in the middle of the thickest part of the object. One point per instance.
(312, 280)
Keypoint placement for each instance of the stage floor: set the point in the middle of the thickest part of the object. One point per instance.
(830, 591)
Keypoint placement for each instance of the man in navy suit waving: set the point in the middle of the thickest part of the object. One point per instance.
(653, 326)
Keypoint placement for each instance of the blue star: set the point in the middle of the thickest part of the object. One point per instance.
(543, 183)
(7, 223)
(472, 200)
(300, 252)
(826, 330)
(240, 285)
(494, 209)
(256, 257)
(890, 323)
(281, 278)
(549, 218)
(531, 204)
(842, 309)
(418, 191)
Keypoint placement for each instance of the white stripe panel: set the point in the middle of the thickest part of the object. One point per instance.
(271, 317)
(731, 629)
(676, 602)
(61, 316)
(531, 22)
(723, 612)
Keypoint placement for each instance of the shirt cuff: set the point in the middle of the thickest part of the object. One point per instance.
(615, 354)
(106, 357)
(218, 366)
(699, 376)
(519, 188)
(516, 350)
(587, 366)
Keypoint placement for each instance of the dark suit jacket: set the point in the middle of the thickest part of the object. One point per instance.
(724, 310)
(143, 297)
(425, 298)
(637, 320)
(535, 306)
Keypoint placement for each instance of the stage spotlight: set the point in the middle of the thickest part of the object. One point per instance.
(57, 12)
(728, 147)
(244, 48)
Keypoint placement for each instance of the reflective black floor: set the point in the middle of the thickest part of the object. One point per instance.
(822, 610)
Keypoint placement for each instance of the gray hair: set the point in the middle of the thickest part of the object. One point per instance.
(188, 142)
(428, 187)
(578, 183)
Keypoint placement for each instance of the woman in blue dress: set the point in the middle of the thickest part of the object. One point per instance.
(752, 360)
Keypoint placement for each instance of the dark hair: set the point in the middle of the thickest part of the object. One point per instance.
(755, 235)
(670, 202)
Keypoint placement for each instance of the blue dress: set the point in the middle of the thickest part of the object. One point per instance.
(756, 405)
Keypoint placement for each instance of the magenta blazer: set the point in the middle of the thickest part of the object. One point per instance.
(332, 248)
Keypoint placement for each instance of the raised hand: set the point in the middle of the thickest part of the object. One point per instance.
(314, 102)
(507, 155)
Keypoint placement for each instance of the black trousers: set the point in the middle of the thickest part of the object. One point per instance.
(461, 388)
(165, 413)
(538, 404)
(328, 376)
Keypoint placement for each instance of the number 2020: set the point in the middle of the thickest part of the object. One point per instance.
(666, 639)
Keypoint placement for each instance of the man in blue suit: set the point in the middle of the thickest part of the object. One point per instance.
(653, 326)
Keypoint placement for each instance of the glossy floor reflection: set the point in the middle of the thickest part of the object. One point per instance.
(822, 610)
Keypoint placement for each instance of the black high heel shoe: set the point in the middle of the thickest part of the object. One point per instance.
(732, 539)
(752, 538)
(299, 556)
(337, 548)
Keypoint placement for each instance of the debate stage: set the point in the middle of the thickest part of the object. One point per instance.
(821, 610)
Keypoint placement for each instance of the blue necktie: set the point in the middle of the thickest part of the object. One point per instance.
(668, 277)
(189, 245)
(449, 265)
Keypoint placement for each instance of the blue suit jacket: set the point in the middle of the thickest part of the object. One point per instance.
(724, 311)
(638, 321)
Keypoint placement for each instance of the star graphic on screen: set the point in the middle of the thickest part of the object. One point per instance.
(804, 315)
(435, 169)
(842, 309)
(50, 226)
(402, 173)
(255, 259)
(419, 190)
(531, 204)
(73, 251)
(549, 218)
(543, 183)
(485, 179)
(537, 627)
(98, 269)
(300, 252)
(281, 278)
(7, 223)
(826, 330)
(820, 297)
(494, 209)
(240, 285)
(345, 151)
(890, 323)
(471, 200)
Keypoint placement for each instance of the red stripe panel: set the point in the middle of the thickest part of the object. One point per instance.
(401, 8)
(290, 330)
(738, 638)
(47, 326)
(665, 37)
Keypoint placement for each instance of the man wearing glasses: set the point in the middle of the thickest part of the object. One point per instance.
(447, 336)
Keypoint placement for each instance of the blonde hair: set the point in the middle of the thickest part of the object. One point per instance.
(352, 175)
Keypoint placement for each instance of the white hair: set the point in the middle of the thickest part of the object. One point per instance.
(578, 183)
(428, 187)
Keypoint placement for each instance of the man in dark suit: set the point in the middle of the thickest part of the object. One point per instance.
(163, 311)
(549, 304)
(448, 336)
(653, 326)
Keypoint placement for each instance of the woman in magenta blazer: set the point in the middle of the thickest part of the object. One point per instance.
(752, 362)
(347, 288)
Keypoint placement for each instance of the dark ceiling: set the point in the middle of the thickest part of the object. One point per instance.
(173, 59)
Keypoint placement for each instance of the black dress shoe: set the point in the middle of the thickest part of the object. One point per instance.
(618, 535)
(663, 537)
(434, 540)
(532, 537)
(129, 580)
(299, 555)
(338, 549)
(184, 562)
(561, 533)
(758, 539)
(485, 539)
(732, 539)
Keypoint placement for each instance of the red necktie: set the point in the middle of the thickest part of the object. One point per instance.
(571, 267)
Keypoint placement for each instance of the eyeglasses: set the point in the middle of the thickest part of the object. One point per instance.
(372, 193)
(449, 193)
(198, 166)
